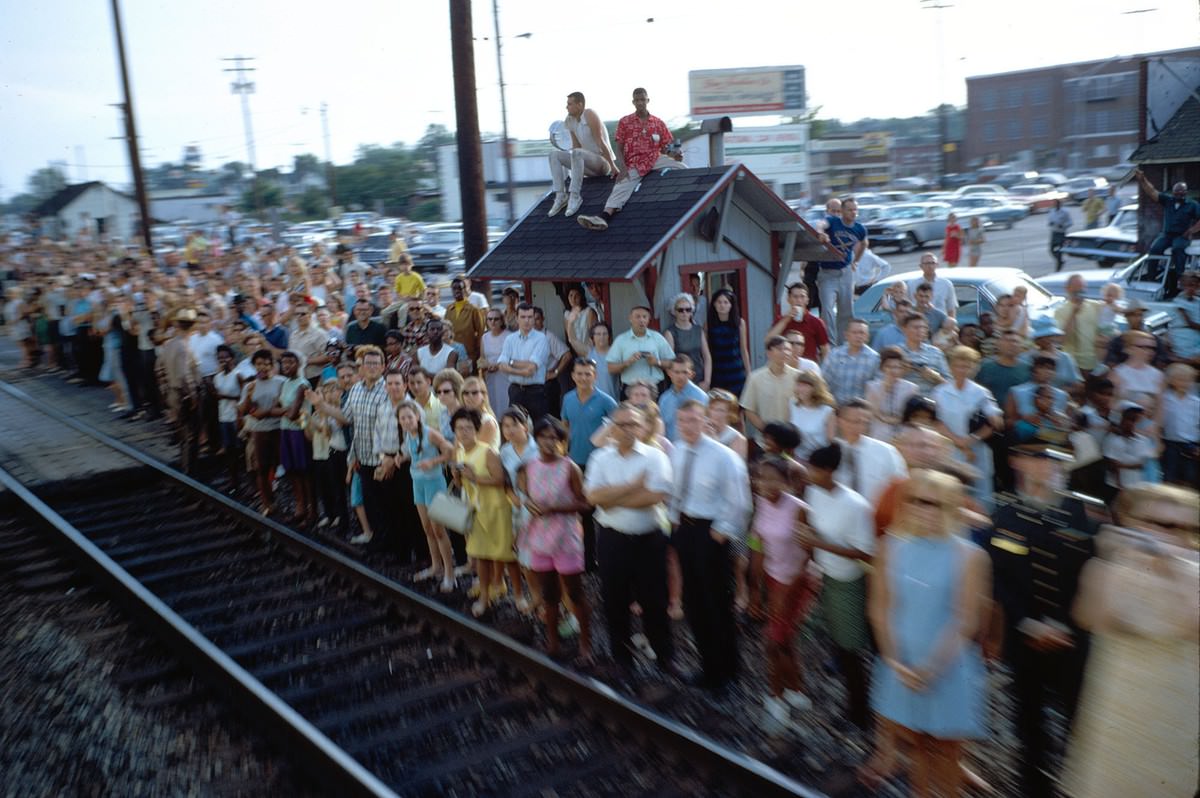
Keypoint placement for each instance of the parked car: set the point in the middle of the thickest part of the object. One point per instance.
(975, 289)
(895, 196)
(1116, 243)
(998, 210)
(1145, 279)
(1038, 196)
(956, 179)
(1055, 179)
(375, 249)
(1015, 177)
(981, 189)
(910, 183)
(435, 250)
(909, 225)
(1078, 187)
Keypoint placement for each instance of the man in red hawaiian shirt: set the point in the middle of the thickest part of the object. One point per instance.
(641, 139)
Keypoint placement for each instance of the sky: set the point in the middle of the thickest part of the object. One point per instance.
(383, 67)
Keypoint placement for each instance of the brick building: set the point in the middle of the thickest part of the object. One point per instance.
(1084, 115)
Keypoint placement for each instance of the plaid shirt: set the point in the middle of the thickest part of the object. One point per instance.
(416, 335)
(847, 375)
(365, 407)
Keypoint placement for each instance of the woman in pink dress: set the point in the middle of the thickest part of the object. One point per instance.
(552, 487)
(952, 241)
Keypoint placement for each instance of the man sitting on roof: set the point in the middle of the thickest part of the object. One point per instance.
(590, 155)
(641, 140)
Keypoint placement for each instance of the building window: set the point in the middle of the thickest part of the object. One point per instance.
(1100, 122)
(1012, 129)
(1014, 97)
(1039, 94)
(989, 99)
(989, 131)
(1102, 151)
(1039, 126)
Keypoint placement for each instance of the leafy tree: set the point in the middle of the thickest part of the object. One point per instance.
(47, 181)
(429, 210)
(304, 165)
(435, 136)
(269, 195)
(313, 203)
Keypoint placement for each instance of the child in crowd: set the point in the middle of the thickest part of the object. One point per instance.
(790, 590)
(293, 446)
(1126, 449)
(1020, 295)
(262, 411)
(1106, 321)
(427, 451)
(329, 461)
(229, 391)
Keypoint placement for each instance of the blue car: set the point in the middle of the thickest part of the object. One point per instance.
(999, 211)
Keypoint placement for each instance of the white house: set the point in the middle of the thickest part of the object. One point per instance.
(92, 208)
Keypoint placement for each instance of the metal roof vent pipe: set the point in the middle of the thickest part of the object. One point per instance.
(716, 128)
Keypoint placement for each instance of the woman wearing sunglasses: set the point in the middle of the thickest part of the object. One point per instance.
(686, 337)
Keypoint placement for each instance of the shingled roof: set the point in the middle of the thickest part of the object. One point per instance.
(541, 247)
(65, 196)
(1179, 140)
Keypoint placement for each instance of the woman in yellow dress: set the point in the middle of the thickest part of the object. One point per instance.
(1139, 713)
(479, 471)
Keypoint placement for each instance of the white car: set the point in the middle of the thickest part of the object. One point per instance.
(1110, 245)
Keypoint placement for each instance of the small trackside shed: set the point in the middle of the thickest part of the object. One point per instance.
(722, 223)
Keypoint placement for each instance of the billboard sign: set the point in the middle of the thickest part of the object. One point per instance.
(752, 91)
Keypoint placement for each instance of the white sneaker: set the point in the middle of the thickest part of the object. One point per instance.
(593, 222)
(778, 710)
(324, 522)
(797, 700)
(358, 540)
(560, 202)
(642, 644)
(573, 204)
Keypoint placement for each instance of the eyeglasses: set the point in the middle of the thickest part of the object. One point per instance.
(444, 390)
(1145, 346)
(627, 424)
(472, 393)
(494, 318)
(683, 310)
(923, 502)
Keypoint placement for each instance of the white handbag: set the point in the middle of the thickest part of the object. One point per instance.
(452, 512)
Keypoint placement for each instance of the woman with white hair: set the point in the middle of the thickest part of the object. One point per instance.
(687, 338)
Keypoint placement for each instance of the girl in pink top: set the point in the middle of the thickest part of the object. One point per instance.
(552, 486)
(790, 590)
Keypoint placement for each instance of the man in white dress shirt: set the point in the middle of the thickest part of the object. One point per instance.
(628, 482)
(711, 506)
(868, 465)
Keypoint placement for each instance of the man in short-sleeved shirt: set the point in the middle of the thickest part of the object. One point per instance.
(769, 390)
(641, 140)
(943, 290)
(680, 371)
(638, 354)
(584, 410)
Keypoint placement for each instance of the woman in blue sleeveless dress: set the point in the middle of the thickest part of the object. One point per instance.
(427, 452)
(726, 332)
(926, 602)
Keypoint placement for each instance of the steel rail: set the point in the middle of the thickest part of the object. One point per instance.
(743, 773)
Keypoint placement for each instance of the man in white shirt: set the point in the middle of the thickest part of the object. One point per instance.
(628, 482)
(843, 540)
(943, 290)
(868, 465)
(203, 343)
(710, 506)
(1059, 222)
(590, 155)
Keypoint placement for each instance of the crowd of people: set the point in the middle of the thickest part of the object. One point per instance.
(932, 501)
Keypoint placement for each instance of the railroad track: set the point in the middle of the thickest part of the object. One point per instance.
(376, 689)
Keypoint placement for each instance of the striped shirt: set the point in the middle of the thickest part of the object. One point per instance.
(364, 407)
(847, 375)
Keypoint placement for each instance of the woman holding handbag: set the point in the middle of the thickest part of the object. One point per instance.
(426, 451)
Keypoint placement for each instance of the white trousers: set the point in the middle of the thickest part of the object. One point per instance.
(576, 163)
(623, 189)
(836, 289)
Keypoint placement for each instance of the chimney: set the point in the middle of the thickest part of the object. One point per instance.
(716, 128)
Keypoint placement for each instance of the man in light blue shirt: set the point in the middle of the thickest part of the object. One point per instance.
(892, 334)
(523, 358)
(639, 353)
(680, 371)
(584, 410)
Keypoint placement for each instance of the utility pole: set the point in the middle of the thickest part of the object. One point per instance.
(466, 114)
(244, 87)
(943, 125)
(508, 175)
(330, 172)
(131, 139)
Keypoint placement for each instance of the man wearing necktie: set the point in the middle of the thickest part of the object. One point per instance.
(710, 507)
